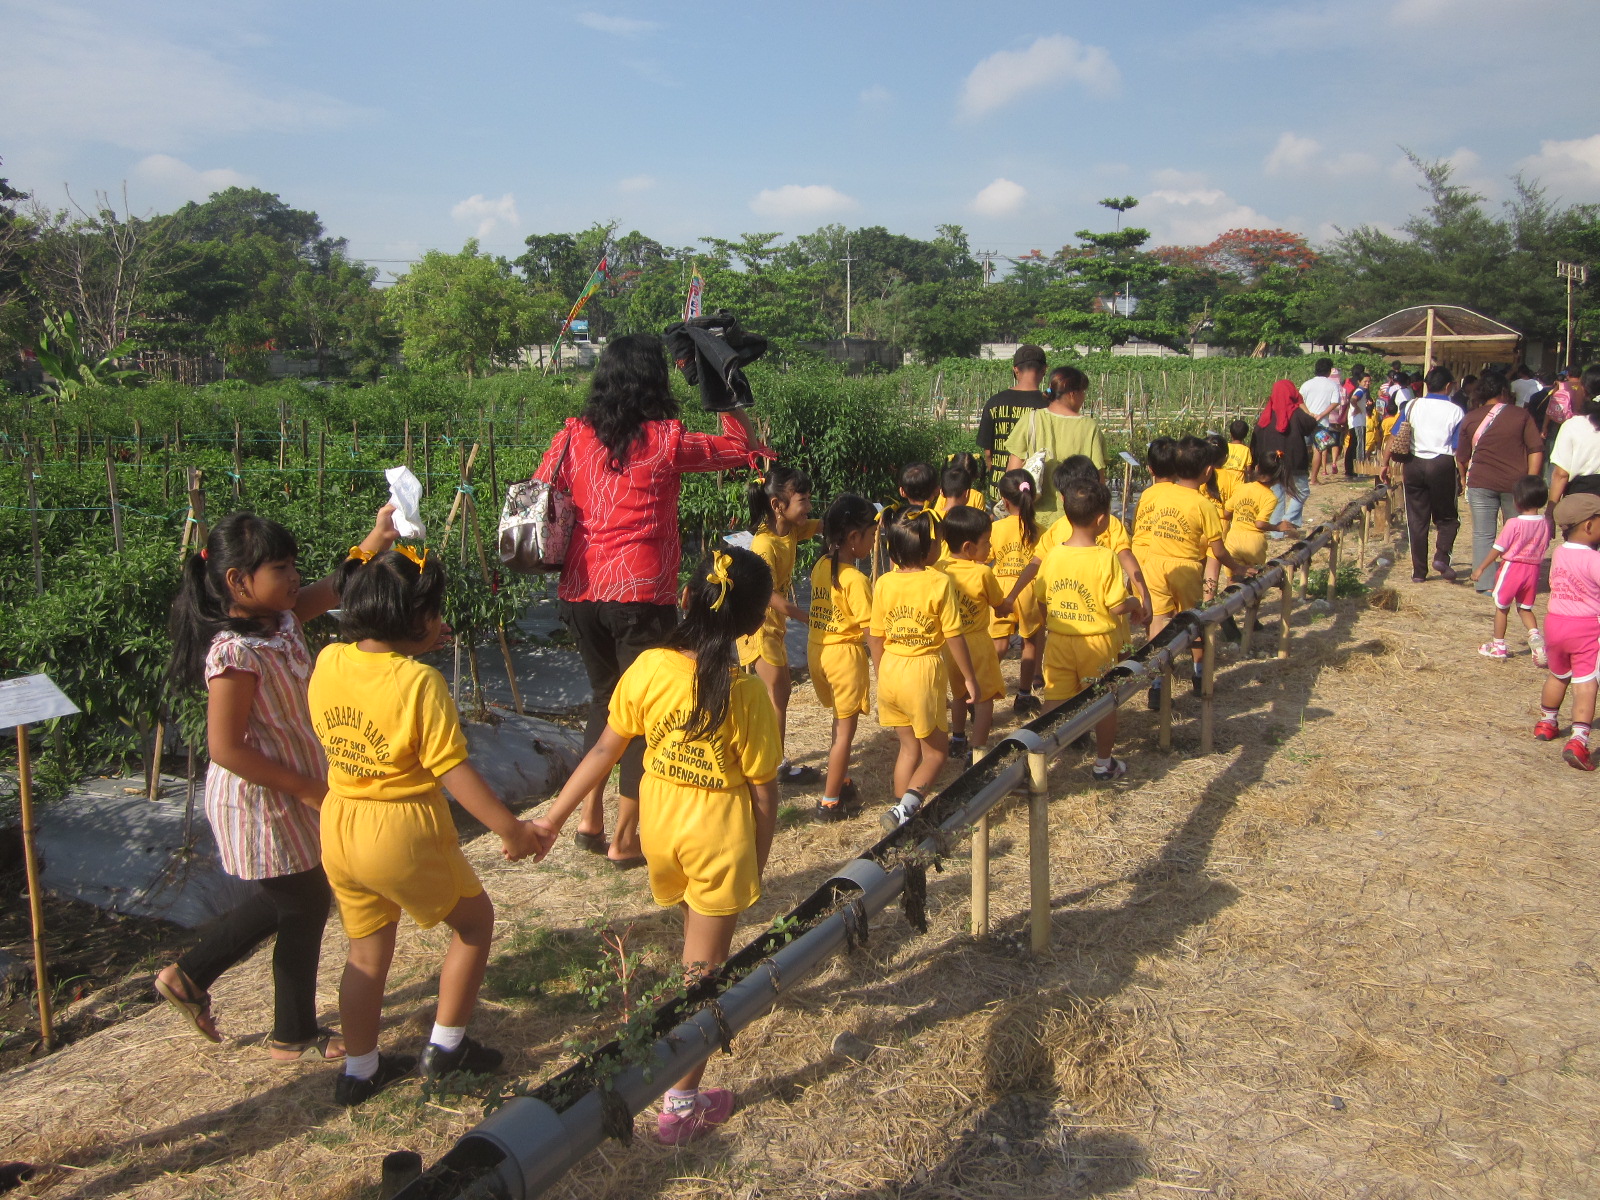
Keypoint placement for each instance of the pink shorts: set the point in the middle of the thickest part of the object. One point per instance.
(1517, 583)
(1573, 644)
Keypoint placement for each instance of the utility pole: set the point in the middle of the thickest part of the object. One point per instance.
(847, 260)
(987, 257)
(1576, 274)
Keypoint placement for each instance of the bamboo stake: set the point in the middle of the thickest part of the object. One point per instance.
(500, 626)
(980, 878)
(283, 443)
(1039, 851)
(41, 972)
(111, 491)
(1208, 672)
(238, 465)
(138, 447)
(355, 436)
(427, 462)
(455, 505)
(408, 443)
(322, 465)
(33, 525)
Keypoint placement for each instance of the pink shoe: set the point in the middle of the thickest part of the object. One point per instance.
(1576, 752)
(712, 1107)
(1546, 730)
(1495, 649)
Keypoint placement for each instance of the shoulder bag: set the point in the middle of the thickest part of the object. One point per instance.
(1035, 462)
(536, 522)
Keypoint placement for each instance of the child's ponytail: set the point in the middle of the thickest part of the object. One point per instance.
(1273, 471)
(1020, 488)
(779, 483)
(240, 542)
(727, 600)
(846, 515)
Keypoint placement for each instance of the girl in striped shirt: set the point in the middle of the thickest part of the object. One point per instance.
(236, 630)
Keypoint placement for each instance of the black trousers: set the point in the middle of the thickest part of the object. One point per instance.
(295, 907)
(1355, 446)
(610, 635)
(1430, 487)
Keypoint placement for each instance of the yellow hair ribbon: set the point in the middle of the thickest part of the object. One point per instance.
(933, 515)
(720, 564)
(360, 555)
(420, 559)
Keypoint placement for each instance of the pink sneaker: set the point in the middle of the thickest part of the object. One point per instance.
(1494, 648)
(1546, 730)
(1536, 644)
(712, 1106)
(1576, 752)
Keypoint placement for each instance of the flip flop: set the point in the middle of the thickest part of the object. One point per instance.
(316, 1050)
(628, 864)
(196, 1012)
(595, 843)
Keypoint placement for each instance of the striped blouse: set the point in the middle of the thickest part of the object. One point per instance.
(260, 833)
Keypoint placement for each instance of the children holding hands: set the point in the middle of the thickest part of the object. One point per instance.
(836, 648)
(1519, 549)
(967, 537)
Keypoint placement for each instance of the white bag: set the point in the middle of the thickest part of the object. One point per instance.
(536, 523)
(1034, 464)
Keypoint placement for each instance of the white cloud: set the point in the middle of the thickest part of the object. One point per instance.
(1002, 198)
(617, 26)
(1049, 62)
(801, 200)
(636, 183)
(1296, 155)
(173, 179)
(876, 94)
(1193, 216)
(75, 76)
(1175, 180)
(488, 214)
(1569, 169)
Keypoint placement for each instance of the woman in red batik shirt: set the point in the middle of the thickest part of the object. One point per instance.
(624, 457)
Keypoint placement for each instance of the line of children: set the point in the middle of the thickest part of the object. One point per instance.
(1247, 514)
(1519, 549)
(967, 535)
(1013, 542)
(957, 480)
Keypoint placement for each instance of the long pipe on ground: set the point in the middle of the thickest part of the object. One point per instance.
(529, 1143)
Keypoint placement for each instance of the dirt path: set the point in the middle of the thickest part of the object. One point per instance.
(1351, 954)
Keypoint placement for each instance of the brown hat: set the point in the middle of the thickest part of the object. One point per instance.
(1028, 356)
(1576, 508)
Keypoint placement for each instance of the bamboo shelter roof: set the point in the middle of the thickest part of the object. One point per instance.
(1459, 334)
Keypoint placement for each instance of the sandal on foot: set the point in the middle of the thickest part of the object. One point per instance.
(321, 1048)
(196, 1012)
(628, 864)
(594, 843)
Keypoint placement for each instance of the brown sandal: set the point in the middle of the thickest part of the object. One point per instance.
(318, 1049)
(594, 843)
(196, 1011)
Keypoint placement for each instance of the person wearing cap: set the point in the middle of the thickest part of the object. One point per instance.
(1059, 430)
(1572, 627)
(1004, 409)
(1429, 474)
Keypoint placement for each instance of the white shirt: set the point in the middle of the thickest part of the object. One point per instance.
(1434, 422)
(1524, 390)
(1577, 448)
(1320, 394)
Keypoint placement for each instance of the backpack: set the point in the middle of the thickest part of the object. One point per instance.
(1539, 404)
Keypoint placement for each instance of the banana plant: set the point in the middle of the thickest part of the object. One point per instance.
(71, 368)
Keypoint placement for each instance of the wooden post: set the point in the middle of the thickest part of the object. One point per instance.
(427, 462)
(1039, 851)
(1127, 487)
(1164, 737)
(283, 443)
(194, 528)
(41, 973)
(138, 447)
(322, 464)
(177, 433)
(111, 491)
(78, 439)
(494, 476)
(1247, 634)
(1366, 526)
(238, 465)
(1287, 595)
(28, 467)
(1333, 566)
(305, 441)
(455, 505)
(1208, 679)
(153, 789)
(355, 437)
(1427, 344)
(500, 628)
(980, 878)
(408, 443)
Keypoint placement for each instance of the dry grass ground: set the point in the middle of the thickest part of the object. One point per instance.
(1348, 955)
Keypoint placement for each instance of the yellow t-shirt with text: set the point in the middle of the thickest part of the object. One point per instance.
(1078, 586)
(1174, 521)
(1115, 538)
(839, 615)
(655, 700)
(386, 722)
(779, 551)
(1231, 473)
(977, 592)
(915, 612)
(973, 499)
(1009, 550)
(1250, 502)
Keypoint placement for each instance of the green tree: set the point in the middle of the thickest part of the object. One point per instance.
(467, 311)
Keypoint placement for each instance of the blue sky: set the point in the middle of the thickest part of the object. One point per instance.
(409, 126)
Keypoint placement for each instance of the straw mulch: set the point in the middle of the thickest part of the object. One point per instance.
(1351, 954)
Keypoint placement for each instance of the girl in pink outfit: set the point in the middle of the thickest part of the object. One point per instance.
(1572, 627)
(1519, 549)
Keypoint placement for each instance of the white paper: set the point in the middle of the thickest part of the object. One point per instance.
(31, 699)
(1131, 460)
(742, 539)
(405, 493)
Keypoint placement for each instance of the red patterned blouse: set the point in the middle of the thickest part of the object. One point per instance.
(625, 545)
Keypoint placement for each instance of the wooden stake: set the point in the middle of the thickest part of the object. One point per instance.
(305, 441)
(408, 443)
(283, 443)
(980, 878)
(28, 466)
(1039, 851)
(194, 529)
(238, 465)
(427, 462)
(138, 447)
(455, 505)
(1333, 566)
(1164, 736)
(111, 490)
(322, 464)
(41, 973)
(500, 628)
(355, 436)
(1208, 673)
(153, 790)
(1286, 592)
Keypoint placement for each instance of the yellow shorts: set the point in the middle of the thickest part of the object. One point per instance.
(1249, 547)
(385, 857)
(842, 675)
(1174, 583)
(985, 667)
(913, 690)
(700, 846)
(765, 644)
(1071, 661)
(1025, 618)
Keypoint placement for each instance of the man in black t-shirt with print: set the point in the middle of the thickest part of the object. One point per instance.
(1005, 409)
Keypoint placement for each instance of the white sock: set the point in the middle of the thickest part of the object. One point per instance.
(911, 801)
(678, 1100)
(1551, 714)
(1103, 764)
(361, 1066)
(448, 1037)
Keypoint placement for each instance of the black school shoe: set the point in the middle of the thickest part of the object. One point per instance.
(800, 776)
(848, 805)
(349, 1091)
(1026, 704)
(960, 751)
(472, 1057)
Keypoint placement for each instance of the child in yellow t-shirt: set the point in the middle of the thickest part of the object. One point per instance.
(708, 804)
(393, 740)
(1236, 467)
(836, 652)
(780, 512)
(1081, 589)
(1248, 514)
(966, 533)
(955, 483)
(1174, 530)
(914, 613)
(1013, 543)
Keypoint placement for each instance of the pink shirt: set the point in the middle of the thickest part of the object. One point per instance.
(1524, 539)
(1574, 581)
